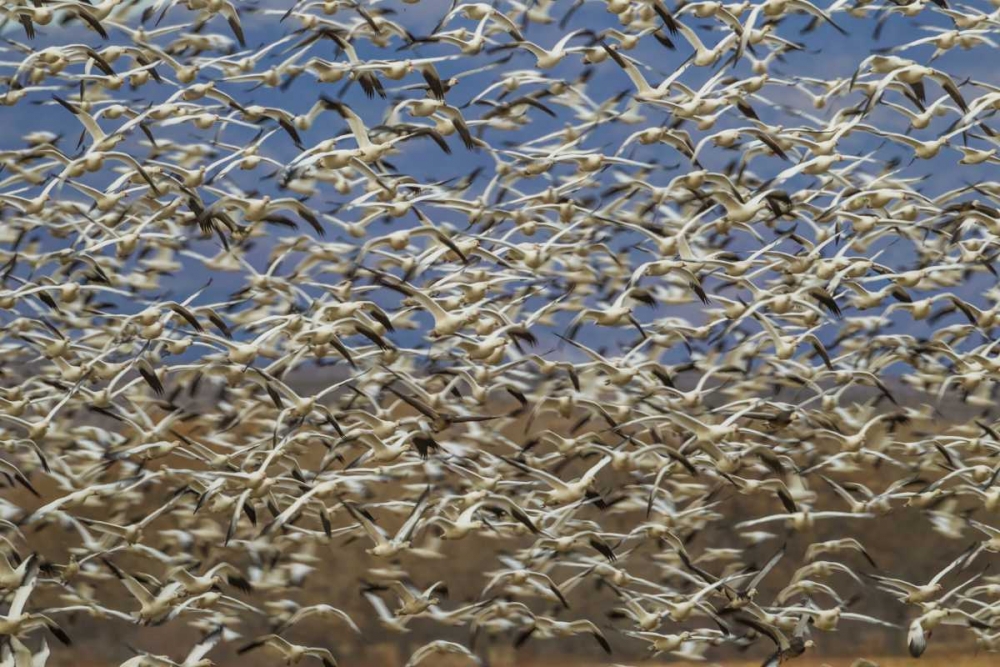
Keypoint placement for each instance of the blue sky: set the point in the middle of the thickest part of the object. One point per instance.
(827, 54)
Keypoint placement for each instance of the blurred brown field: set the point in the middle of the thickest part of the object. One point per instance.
(942, 660)
(958, 660)
(904, 544)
